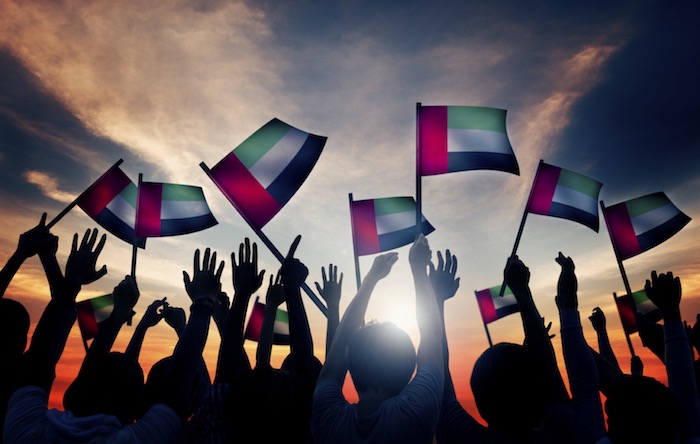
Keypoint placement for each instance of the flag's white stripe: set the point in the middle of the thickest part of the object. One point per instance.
(123, 210)
(281, 328)
(477, 141)
(572, 198)
(182, 209)
(646, 307)
(269, 166)
(505, 301)
(103, 313)
(652, 219)
(388, 223)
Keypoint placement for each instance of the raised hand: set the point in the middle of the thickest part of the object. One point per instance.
(155, 312)
(597, 319)
(382, 265)
(517, 275)
(293, 272)
(568, 285)
(665, 292)
(125, 295)
(80, 268)
(332, 286)
(419, 255)
(222, 303)
(275, 291)
(176, 318)
(32, 241)
(442, 278)
(205, 284)
(246, 278)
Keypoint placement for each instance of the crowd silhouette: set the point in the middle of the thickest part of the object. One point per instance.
(406, 394)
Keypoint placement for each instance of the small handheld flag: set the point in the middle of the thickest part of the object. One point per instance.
(165, 209)
(495, 303)
(91, 312)
(280, 329)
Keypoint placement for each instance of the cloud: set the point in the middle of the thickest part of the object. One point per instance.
(48, 186)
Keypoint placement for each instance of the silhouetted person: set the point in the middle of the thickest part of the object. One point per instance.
(392, 407)
(330, 292)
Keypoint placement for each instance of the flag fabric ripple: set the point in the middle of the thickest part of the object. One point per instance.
(263, 173)
(280, 329)
(111, 202)
(562, 193)
(384, 224)
(91, 312)
(165, 209)
(640, 224)
(494, 307)
(461, 138)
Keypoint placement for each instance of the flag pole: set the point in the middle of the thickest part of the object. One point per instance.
(488, 335)
(70, 206)
(265, 240)
(358, 276)
(85, 344)
(627, 336)
(522, 227)
(134, 247)
(419, 187)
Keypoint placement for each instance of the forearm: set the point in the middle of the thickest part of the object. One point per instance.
(109, 329)
(333, 319)
(9, 271)
(681, 377)
(54, 276)
(264, 351)
(605, 349)
(428, 319)
(232, 357)
(301, 343)
(133, 350)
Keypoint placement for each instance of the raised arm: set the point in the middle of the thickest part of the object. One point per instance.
(665, 292)
(246, 280)
(335, 367)
(517, 277)
(153, 315)
(202, 288)
(51, 333)
(273, 299)
(330, 292)
(294, 274)
(580, 365)
(597, 319)
(125, 296)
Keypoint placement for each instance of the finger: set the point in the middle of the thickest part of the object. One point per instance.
(441, 263)
(74, 246)
(454, 266)
(340, 281)
(186, 278)
(233, 260)
(318, 288)
(294, 246)
(100, 245)
(457, 283)
(93, 238)
(220, 271)
(278, 279)
(334, 278)
(432, 267)
(271, 278)
(255, 254)
(246, 258)
(241, 250)
(205, 261)
(42, 222)
(196, 261)
(101, 272)
(84, 240)
(448, 261)
(323, 275)
(654, 277)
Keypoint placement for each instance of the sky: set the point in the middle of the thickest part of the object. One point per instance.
(606, 89)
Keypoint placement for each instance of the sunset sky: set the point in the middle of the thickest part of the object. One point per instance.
(606, 89)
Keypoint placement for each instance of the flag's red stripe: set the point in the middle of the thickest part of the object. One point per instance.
(86, 320)
(486, 307)
(103, 191)
(254, 327)
(433, 140)
(543, 189)
(622, 231)
(364, 228)
(625, 306)
(244, 192)
(148, 209)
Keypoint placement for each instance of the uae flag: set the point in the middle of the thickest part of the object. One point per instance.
(562, 193)
(384, 224)
(494, 307)
(166, 209)
(111, 202)
(461, 138)
(640, 224)
(644, 306)
(91, 312)
(280, 329)
(626, 309)
(262, 174)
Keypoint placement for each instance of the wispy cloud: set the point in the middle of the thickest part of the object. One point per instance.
(49, 186)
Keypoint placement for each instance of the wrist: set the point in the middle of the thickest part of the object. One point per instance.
(671, 313)
(202, 305)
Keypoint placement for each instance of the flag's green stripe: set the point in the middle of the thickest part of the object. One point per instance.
(260, 142)
(640, 297)
(129, 194)
(579, 182)
(181, 192)
(389, 205)
(101, 302)
(644, 204)
(476, 117)
(497, 289)
(282, 316)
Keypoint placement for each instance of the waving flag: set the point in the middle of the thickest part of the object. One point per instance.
(644, 306)
(280, 329)
(384, 224)
(640, 224)
(111, 202)
(639, 303)
(461, 138)
(562, 193)
(494, 307)
(261, 174)
(166, 209)
(91, 312)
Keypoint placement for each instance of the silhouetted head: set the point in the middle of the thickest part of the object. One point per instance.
(509, 386)
(157, 384)
(107, 383)
(14, 327)
(381, 357)
(641, 409)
